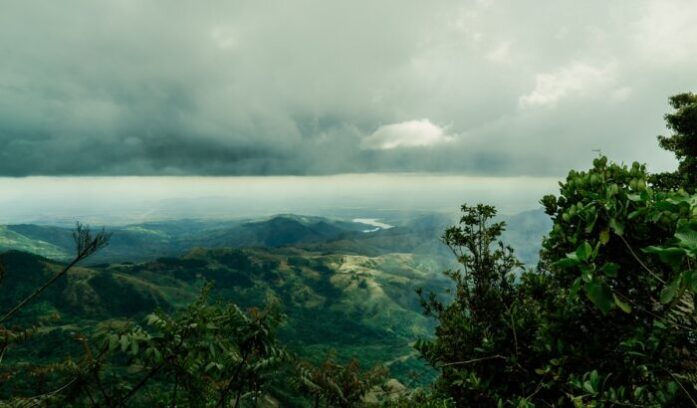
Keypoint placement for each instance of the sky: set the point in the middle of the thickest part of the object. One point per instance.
(483, 88)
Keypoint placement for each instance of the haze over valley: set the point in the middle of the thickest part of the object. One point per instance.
(128, 200)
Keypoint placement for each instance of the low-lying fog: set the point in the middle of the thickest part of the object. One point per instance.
(124, 200)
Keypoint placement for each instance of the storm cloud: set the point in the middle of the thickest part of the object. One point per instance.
(317, 87)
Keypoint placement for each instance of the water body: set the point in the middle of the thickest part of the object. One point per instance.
(372, 222)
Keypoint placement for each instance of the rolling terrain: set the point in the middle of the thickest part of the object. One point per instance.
(360, 305)
(341, 288)
(148, 241)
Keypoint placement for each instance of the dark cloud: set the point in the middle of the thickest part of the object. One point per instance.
(315, 87)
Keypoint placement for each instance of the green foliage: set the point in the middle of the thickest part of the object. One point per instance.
(204, 355)
(420, 398)
(478, 337)
(334, 385)
(683, 143)
(617, 256)
(608, 319)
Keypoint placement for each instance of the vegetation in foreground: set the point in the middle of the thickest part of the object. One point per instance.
(606, 319)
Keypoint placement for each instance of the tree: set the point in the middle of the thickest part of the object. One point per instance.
(610, 319)
(683, 143)
(477, 346)
(204, 355)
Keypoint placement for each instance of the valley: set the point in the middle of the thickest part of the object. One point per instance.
(343, 290)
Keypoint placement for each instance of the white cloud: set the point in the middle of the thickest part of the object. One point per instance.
(575, 79)
(412, 133)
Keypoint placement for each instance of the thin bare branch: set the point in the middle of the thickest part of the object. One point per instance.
(474, 360)
(86, 244)
(629, 247)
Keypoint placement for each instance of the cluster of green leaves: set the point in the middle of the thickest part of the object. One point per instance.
(606, 258)
(331, 384)
(204, 355)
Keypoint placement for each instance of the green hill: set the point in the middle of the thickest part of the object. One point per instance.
(148, 241)
(362, 306)
(151, 240)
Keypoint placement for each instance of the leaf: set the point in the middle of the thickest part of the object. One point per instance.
(591, 225)
(158, 355)
(566, 263)
(587, 272)
(595, 379)
(584, 251)
(610, 269)
(669, 292)
(691, 279)
(113, 342)
(616, 226)
(687, 237)
(600, 294)
(124, 343)
(625, 307)
(673, 256)
(635, 214)
(604, 236)
(588, 387)
(666, 206)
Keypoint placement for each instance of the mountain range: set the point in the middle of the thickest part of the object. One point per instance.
(147, 241)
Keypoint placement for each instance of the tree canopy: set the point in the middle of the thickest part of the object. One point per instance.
(682, 142)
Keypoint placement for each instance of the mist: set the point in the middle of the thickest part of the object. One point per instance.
(125, 200)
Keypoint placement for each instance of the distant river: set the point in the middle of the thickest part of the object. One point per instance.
(373, 222)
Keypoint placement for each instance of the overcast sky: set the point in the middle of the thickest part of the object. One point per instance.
(488, 88)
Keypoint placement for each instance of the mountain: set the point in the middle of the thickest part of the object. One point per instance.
(363, 306)
(85, 293)
(133, 242)
(151, 240)
(277, 231)
(142, 242)
(11, 239)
